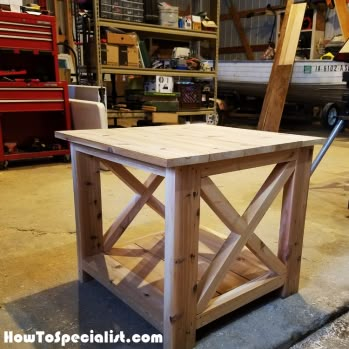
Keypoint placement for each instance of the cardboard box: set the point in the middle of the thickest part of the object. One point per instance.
(110, 54)
(121, 39)
(132, 56)
(209, 26)
(196, 22)
(166, 118)
(187, 22)
(123, 52)
(164, 84)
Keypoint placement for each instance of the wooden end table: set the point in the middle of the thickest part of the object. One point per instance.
(188, 276)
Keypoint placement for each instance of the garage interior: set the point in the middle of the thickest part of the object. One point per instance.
(40, 288)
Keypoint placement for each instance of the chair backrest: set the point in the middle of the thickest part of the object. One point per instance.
(88, 115)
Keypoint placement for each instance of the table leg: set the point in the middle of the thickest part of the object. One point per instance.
(294, 204)
(88, 209)
(181, 256)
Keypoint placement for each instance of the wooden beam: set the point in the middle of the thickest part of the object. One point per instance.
(244, 226)
(241, 49)
(181, 251)
(102, 155)
(230, 217)
(88, 207)
(140, 295)
(281, 73)
(238, 297)
(247, 162)
(133, 183)
(342, 10)
(130, 212)
(251, 13)
(240, 30)
(294, 206)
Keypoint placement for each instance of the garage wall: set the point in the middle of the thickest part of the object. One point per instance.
(257, 28)
(332, 25)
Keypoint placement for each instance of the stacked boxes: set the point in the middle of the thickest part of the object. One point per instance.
(120, 50)
(122, 10)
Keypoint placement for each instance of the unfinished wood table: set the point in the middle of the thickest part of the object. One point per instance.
(188, 276)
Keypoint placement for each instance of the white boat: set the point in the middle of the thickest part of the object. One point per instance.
(314, 82)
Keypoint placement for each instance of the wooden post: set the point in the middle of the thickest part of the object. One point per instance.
(181, 256)
(64, 24)
(243, 38)
(342, 10)
(281, 72)
(294, 204)
(88, 207)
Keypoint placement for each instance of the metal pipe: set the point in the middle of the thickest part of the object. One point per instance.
(338, 127)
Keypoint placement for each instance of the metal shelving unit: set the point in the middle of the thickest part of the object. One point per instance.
(152, 31)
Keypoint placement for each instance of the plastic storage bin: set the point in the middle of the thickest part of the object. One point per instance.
(169, 16)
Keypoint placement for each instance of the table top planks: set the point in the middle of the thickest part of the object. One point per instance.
(180, 145)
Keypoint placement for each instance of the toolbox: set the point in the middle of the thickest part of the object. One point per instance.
(33, 102)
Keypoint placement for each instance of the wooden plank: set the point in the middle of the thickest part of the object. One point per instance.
(105, 155)
(218, 268)
(241, 49)
(266, 255)
(342, 10)
(281, 73)
(168, 118)
(151, 249)
(177, 145)
(223, 166)
(231, 218)
(238, 297)
(141, 296)
(130, 212)
(245, 226)
(246, 264)
(149, 267)
(251, 12)
(230, 281)
(246, 267)
(133, 183)
(267, 194)
(294, 205)
(292, 32)
(88, 207)
(181, 251)
(241, 32)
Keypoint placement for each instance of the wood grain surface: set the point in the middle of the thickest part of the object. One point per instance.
(179, 145)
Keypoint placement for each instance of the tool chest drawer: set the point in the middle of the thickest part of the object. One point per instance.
(20, 31)
(33, 102)
(31, 99)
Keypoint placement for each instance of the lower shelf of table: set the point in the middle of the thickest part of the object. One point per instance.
(135, 273)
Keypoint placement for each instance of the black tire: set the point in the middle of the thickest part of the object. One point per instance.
(62, 158)
(212, 119)
(3, 165)
(329, 116)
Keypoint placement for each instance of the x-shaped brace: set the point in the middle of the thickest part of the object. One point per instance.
(144, 195)
(242, 230)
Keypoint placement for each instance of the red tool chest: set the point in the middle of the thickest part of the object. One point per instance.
(33, 103)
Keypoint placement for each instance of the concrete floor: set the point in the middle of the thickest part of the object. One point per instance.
(38, 273)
